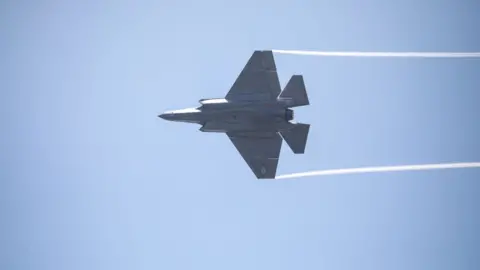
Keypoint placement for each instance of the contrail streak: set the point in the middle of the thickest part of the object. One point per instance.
(385, 54)
(384, 169)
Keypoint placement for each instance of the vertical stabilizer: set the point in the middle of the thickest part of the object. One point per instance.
(295, 91)
(296, 137)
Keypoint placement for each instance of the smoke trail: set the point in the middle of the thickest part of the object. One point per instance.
(384, 169)
(385, 54)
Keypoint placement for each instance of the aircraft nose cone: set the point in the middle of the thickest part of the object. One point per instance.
(165, 115)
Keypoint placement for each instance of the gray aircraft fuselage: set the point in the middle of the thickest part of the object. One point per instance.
(221, 115)
(255, 114)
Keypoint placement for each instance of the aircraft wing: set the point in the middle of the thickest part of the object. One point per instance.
(258, 80)
(260, 150)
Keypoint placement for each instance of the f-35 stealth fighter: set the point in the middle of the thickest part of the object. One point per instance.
(254, 114)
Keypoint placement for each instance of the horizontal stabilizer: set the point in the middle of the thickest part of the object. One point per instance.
(296, 137)
(295, 91)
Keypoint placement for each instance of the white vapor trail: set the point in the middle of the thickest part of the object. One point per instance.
(384, 169)
(385, 54)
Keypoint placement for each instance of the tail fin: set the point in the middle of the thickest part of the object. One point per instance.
(295, 91)
(296, 137)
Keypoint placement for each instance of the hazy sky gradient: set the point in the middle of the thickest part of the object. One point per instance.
(92, 179)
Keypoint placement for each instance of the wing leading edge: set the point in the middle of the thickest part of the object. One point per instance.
(259, 150)
(258, 80)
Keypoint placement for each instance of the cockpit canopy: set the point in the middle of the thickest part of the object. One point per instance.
(212, 100)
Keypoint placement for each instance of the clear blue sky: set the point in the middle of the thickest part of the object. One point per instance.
(92, 179)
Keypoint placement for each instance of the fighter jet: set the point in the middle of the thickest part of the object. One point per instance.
(255, 114)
